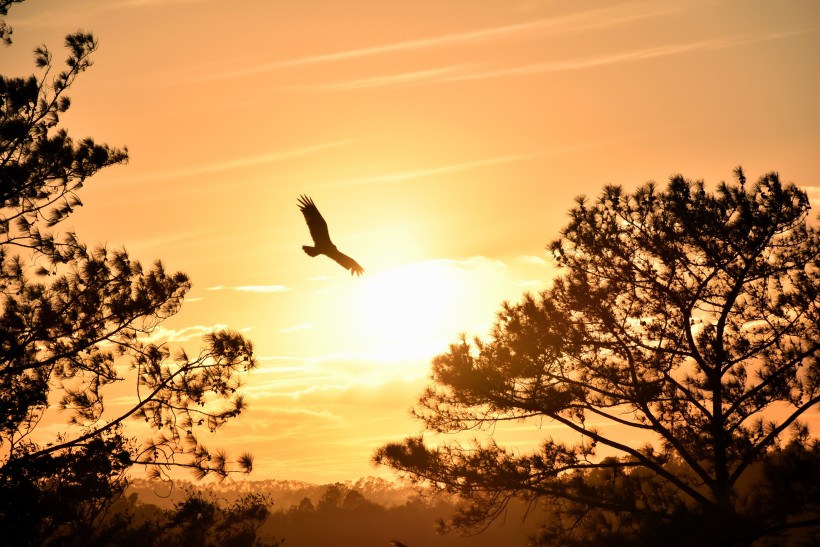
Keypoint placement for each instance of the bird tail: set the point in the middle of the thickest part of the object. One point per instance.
(311, 251)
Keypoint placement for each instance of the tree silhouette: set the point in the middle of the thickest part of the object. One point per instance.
(5, 30)
(72, 318)
(199, 519)
(686, 319)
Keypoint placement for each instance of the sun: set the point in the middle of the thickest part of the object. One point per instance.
(398, 319)
(413, 310)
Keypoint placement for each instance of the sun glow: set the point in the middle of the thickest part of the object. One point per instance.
(414, 311)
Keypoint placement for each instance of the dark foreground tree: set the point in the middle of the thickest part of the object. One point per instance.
(73, 321)
(679, 349)
(200, 520)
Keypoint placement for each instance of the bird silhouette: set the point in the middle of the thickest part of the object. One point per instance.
(321, 237)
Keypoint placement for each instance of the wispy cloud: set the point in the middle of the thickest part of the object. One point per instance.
(597, 18)
(464, 72)
(140, 3)
(56, 17)
(532, 259)
(251, 288)
(295, 328)
(162, 334)
(431, 171)
(405, 78)
(476, 263)
(304, 411)
(262, 288)
(238, 163)
(626, 57)
(411, 174)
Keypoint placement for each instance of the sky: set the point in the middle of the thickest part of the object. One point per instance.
(443, 142)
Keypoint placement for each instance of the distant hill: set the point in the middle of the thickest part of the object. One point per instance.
(284, 492)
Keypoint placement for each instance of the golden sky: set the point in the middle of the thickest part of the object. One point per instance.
(443, 141)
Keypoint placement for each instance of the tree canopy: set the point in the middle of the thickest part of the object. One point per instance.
(686, 319)
(75, 320)
(199, 519)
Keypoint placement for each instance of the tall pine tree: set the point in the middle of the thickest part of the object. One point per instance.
(683, 317)
(70, 316)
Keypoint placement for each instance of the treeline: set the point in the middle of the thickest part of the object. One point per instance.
(364, 513)
(165, 494)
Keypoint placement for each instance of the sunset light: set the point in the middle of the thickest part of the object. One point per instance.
(406, 310)
(351, 187)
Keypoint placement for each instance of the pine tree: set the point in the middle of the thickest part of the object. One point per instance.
(685, 317)
(73, 319)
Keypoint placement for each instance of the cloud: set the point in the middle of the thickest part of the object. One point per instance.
(597, 18)
(266, 289)
(402, 176)
(477, 263)
(532, 259)
(261, 288)
(411, 174)
(318, 376)
(45, 18)
(626, 57)
(282, 366)
(289, 412)
(180, 237)
(421, 76)
(462, 73)
(138, 3)
(162, 334)
(295, 328)
(382, 343)
(238, 163)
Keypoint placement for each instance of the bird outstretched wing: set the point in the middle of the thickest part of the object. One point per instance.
(315, 222)
(346, 262)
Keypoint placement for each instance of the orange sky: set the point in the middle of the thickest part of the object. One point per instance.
(442, 141)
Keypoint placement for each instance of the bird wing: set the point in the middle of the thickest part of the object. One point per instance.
(316, 224)
(346, 262)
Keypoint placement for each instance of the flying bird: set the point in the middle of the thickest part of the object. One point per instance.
(321, 237)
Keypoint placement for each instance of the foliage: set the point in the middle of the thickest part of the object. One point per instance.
(344, 515)
(685, 318)
(53, 495)
(5, 30)
(199, 521)
(196, 520)
(74, 321)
